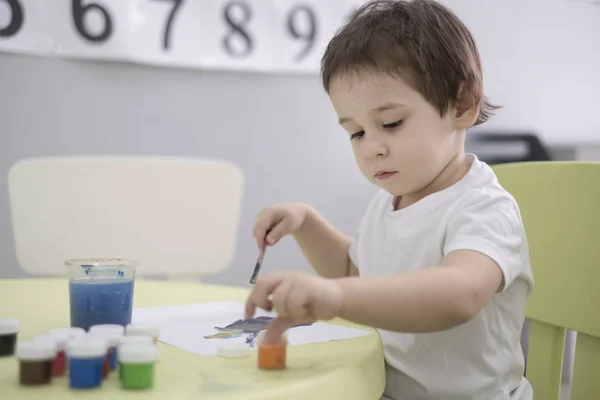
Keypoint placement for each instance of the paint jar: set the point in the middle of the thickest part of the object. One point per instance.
(143, 329)
(137, 365)
(101, 291)
(58, 364)
(9, 329)
(86, 357)
(62, 336)
(133, 340)
(112, 338)
(35, 362)
(271, 355)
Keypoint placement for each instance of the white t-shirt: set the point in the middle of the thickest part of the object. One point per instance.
(481, 359)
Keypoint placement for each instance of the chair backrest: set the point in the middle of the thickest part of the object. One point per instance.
(560, 206)
(175, 216)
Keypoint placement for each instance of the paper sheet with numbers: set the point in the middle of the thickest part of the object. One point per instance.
(261, 35)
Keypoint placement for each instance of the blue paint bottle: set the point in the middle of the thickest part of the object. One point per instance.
(112, 334)
(86, 357)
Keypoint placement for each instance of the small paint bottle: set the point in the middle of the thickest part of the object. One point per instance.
(62, 336)
(140, 329)
(137, 365)
(112, 333)
(58, 364)
(35, 362)
(9, 329)
(86, 356)
(133, 340)
(271, 355)
(112, 339)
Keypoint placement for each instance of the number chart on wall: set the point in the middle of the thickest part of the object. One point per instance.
(253, 35)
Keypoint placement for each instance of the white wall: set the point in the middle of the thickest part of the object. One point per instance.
(280, 130)
(541, 61)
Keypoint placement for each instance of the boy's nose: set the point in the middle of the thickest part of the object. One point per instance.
(374, 148)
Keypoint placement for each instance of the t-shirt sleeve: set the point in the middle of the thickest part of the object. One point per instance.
(490, 225)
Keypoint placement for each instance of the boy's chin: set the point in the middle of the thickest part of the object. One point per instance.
(394, 190)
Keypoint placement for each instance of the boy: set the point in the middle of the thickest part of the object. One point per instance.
(440, 263)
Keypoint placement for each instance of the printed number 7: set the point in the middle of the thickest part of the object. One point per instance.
(167, 33)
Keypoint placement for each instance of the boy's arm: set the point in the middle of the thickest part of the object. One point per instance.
(424, 300)
(325, 247)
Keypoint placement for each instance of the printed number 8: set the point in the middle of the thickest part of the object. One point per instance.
(237, 28)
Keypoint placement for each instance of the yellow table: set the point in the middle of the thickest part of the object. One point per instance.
(347, 369)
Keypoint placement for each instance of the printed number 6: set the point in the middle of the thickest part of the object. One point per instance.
(16, 20)
(79, 13)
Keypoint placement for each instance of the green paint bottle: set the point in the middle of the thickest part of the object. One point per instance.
(137, 365)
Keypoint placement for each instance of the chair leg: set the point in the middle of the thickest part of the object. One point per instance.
(569, 359)
(525, 340)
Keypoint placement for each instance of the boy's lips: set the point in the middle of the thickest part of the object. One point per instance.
(381, 175)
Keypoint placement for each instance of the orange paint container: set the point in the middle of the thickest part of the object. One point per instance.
(271, 356)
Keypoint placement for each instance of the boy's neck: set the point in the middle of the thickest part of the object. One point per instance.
(454, 171)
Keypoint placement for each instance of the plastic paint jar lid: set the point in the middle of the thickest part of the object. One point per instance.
(138, 354)
(112, 328)
(234, 350)
(9, 326)
(36, 351)
(87, 347)
(68, 333)
(60, 345)
(140, 340)
(112, 339)
(143, 329)
(261, 337)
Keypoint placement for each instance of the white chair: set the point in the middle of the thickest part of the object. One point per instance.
(175, 216)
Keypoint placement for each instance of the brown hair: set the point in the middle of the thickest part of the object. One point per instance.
(420, 40)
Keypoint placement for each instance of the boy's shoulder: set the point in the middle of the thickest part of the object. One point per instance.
(480, 192)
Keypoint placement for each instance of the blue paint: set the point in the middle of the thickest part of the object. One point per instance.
(101, 301)
(112, 357)
(85, 373)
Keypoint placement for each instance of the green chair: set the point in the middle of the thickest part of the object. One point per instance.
(560, 206)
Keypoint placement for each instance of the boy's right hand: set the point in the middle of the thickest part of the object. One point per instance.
(281, 219)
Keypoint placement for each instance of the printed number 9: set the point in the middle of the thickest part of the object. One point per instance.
(16, 19)
(308, 34)
(79, 13)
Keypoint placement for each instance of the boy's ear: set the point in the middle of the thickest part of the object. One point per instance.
(465, 117)
(466, 112)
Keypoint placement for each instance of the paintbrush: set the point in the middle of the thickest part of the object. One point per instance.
(259, 261)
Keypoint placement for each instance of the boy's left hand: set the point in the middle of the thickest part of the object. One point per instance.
(296, 297)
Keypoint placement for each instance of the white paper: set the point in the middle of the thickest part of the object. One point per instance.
(186, 326)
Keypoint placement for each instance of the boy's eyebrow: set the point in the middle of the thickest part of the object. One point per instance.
(384, 107)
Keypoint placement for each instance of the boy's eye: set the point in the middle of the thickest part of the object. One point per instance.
(357, 135)
(393, 125)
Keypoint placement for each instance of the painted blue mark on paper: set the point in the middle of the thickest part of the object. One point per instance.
(245, 327)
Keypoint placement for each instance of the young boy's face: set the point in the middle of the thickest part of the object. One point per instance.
(399, 140)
